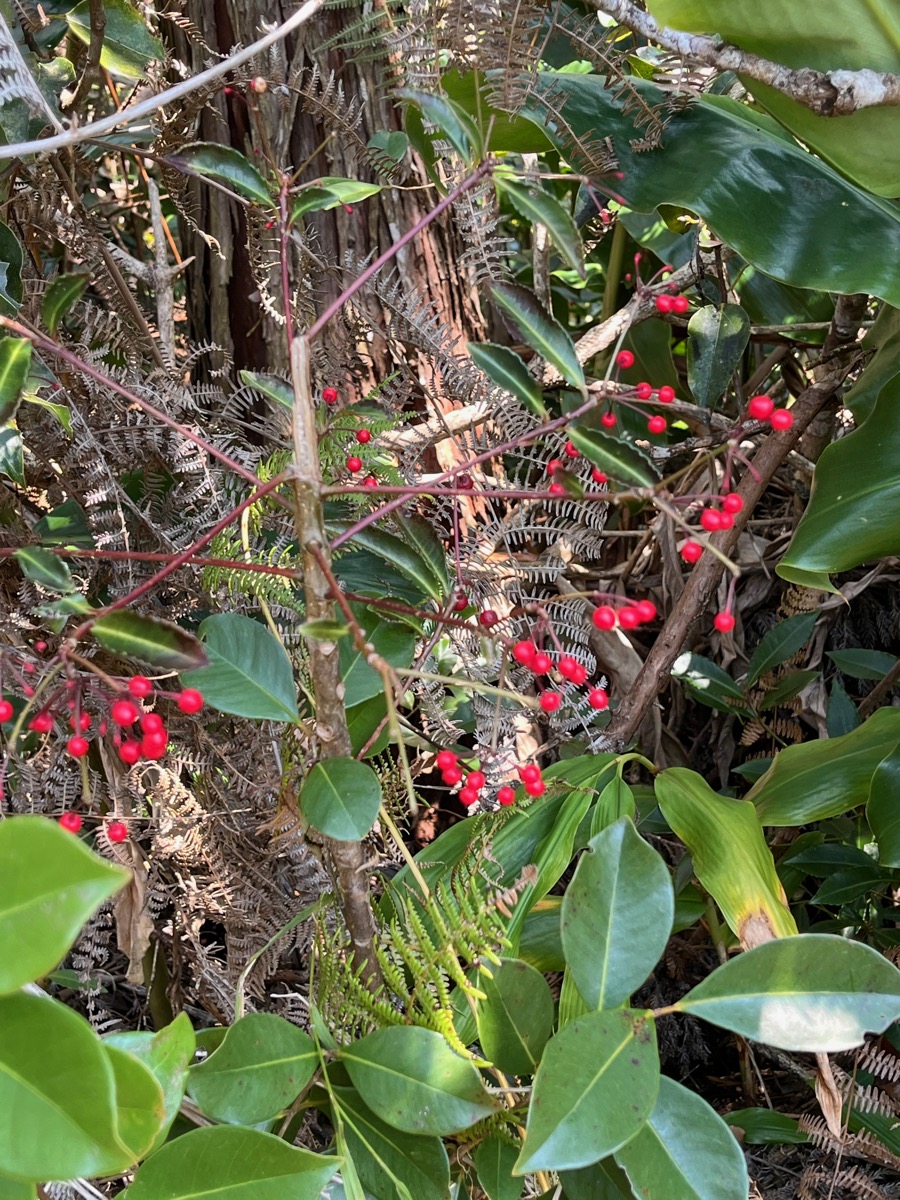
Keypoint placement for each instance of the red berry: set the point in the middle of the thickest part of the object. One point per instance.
(711, 519)
(732, 503)
(646, 610)
(524, 652)
(760, 408)
(530, 774)
(465, 481)
(27, 689)
(579, 675)
(643, 391)
(488, 618)
(691, 551)
(657, 425)
(116, 831)
(680, 304)
(329, 395)
(608, 420)
(42, 723)
(152, 723)
(550, 701)
(604, 617)
(541, 663)
(537, 788)
(190, 700)
(555, 464)
(598, 698)
(665, 304)
(370, 481)
(724, 622)
(624, 359)
(570, 450)
(726, 520)
(123, 712)
(598, 476)
(153, 745)
(363, 436)
(629, 617)
(467, 796)
(6, 711)
(781, 419)
(476, 780)
(666, 394)
(78, 746)
(452, 775)
(130, 752)
(506, 796)
(460, 602)
(445, 760)
(140, 686)
(354, 464)
(70, 821)
(556, 489)
(567, 667)
(40, 647)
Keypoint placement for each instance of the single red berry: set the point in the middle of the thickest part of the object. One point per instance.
(550, 701)
(42, 723)
(598, 476)
(467, 796)
(579, 675)
(570, 450)
(541, 663)
(537, 788)
(27, 690)
(604, 617)
(522, 652)
(760, 408)
(476, 780)
(646, 611)
(567, 667)
(666, 394)
(598, 698)
(330, 395)
(556, 489)
(140, 686)
(665, 304)
(152, 723)
(530, 774)
(680, 304)
(29, 668)
(657, 425)
(781, 419)
(123, 712)
(624, 359)
(724, 622)
(370, 481)
(726, 520)
(78, 746)
(270, 224)
(6, 711)
(363, 436)
(555, 464)
(732, 503)
(40, 647)
(460, 602)
(711, 520)
(153, 745)
(445, 759)
(506, 796)
(608, 420)
(465, 481)
(691, 551)
(190, 700)
(70, 821)
(629, 617)
(116, 831)
(130, 752)
(643, 391)
(452, 775)
(488, 618)
(354, 464)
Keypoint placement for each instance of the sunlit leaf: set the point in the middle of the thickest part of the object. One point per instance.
(15, 359)
(225, 165)
(340, 797)
(539, 329)
(717, 339)
(128, 46)
(504, 367)
(249, 673)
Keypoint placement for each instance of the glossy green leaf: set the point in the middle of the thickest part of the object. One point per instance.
(140, 1105)
(730, 855)
(684, 1152)
(395, 643)
(788, 686)
(853, 509)
(822, 232)
(540, 943)
(883, 808)
(765, 1126)
(406, 558)
(62, 294)
(616, 915)
(862, 664)
(504, 367)
(815, 993)
(620, 460)
(15, 359)
(12, 455)
(822, 779)
(16, 1189)
(516, 1017)
(150, 640)
(10, 271)
(65, 525)
(494, 1160)
(249, 673)
(421, 535)
(708, 683)
(340, 797)
(128, 46)
(331, 192)
(415, 1082)
(782, 642)
(539, 329)
(602, 1181)
(271, 386)
(540, 208)
(57, 1093)
(223, 165)
(261, 1067)
(450, 119)
(717, 339)
(595, 1087)
(231, 1163)
(61, 412)
(391, 1164)
(615, 800)
(167, 1054)
(853, 885)
(363, 720)
(50, 884)
(841, 715)
(44, 567)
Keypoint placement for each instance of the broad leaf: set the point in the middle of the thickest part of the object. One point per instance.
(516, 1017)
(395, 643)
(128, 46)
(449, 118)
(862, 664)
(494, 1160)
(787, 687)
(16, 1189)
(782, 642)
(340, 797)
(708, 683)
(421, 535)
(270, 386)
(148, 639)
(616, 915)
(140, 1105)
(841, 715)
(883, 808)
(814, 993)
(10, 269)
(15, 359)
(415, 1082)
(407, 558)
(602, 1181)
(231, 1163)
(717, 339)
(504, 367)
(539, 329)
(65, 525)
(50, 884)
(618, 459)
(223, 165)
(684, 1152)
(540, 208)
(12, 454)
(249, 672)
(615, 801)
(61, 295)
(577, 1115)
(44, 567)
(168, 1055)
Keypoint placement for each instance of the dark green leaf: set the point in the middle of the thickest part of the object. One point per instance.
(539, 329)
(540, 208)
(451, 120)
(362, 722)
(842, 715)
(852, 885)
(421, 535)
(787, 687)
(717, 339)
(883, 808)
(394, 143)
(406, 558)
(862, 664)
(782, 642)
(168, 1055)
(65, 525)
(765, 1126)
(249, 672)
(150, 640)
(504, 367)
(224, 165)
(396, 644)
(602, 1181)
(44, 567)
(618, 459)
(516, 1017)
(15, 359)
(340, 797)
(708, 683)
(270, 386)
(577, 1115)
(10, 271)
(12, 456)
(814, 993)
(50, 883)
(61, 295)
(128, 46)
(540, 943)
(494, 1160)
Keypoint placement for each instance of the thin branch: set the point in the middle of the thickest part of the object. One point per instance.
(826, 93)
(92, 66)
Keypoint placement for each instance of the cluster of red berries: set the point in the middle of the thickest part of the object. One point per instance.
(527, 654)
(116, 831)
(635, 613)
(762, 408)
(354, 463)
(473, 782)
(643, 391)
(667, 303)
